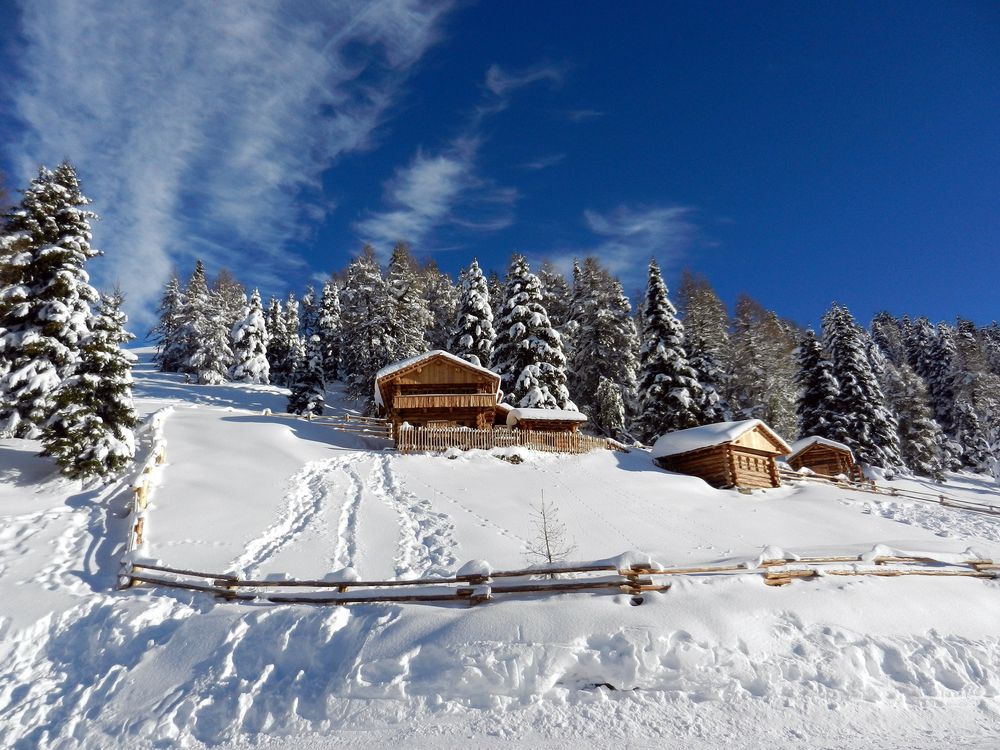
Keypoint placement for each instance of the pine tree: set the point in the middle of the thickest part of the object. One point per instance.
(472, 334)
(819, 392)
(495, 286)
(329, 331)
(606, 343)
(670, 396)
(887, 332)
(704, 316)
(278, 344)
(231, 298)
(441, 298)
(168, 331)
(409, 319)
(528, 352)
(250, 340)
(309, 310)
(45, 304)
(712, 378)
(307, 390)
(366, 309)
(557, 296)
(920, 437)
(91, 432)
(212, 355)
(609, 409)
(192, 318)
(870, 428)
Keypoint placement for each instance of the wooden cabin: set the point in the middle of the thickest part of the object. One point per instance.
(437, 389)
(824, 456)
(727, 454)
(545, 420)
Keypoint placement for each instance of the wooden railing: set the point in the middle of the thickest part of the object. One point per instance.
(876, 489)
(475, 588)
(444, 400)
(443, 438)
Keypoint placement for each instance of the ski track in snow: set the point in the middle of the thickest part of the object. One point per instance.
(346, 552)
(305, 501)
(426, 537)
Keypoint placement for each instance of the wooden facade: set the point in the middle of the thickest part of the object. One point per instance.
(738, 458)
(826, 458)
(437, 389)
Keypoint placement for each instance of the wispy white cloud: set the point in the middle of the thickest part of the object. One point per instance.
(443, 188)
(627, 237)
(584, 115)
(543, 162)
(436, 189)
(203, 128)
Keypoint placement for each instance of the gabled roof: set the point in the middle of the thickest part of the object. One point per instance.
(414, 362)
(709, 435)
(545, 415)
(807, 442)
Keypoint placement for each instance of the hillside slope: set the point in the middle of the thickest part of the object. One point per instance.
(832, 662)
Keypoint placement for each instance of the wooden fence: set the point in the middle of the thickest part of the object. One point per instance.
(876, 489)
(439, 439)
(604, 576)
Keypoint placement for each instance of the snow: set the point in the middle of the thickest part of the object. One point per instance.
(559, 415)
(833, 662)
(404, 363)
(800, 445)
(705, 436)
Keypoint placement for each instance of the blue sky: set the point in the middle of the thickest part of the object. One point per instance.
(800, 152)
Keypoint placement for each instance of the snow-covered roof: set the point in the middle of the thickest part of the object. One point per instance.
(548, 415)
(707, 436)
(404, 363)
(800, 445)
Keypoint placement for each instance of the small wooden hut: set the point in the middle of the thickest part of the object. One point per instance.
(545, 420)
(727, 454)
(437, 389)
(500, 415)
(824, 456)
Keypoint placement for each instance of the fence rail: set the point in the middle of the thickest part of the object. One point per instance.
(476, 588)
(439, 439)
(875, 489)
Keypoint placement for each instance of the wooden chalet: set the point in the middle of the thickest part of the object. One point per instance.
(824, 456)
(437, 389)
(545, 420)
(727, 454)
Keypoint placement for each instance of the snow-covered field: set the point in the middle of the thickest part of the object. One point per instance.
(834, 662)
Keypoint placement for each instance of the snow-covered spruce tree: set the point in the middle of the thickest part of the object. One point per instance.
(472, 333)
(329, 331)
(606, 343)
(212, 355)
(45, 304)
(887, 333)
(870, 427)
(527, 352)
(977, 392)
(278, 342)
(920, 437)
(250, 340)
(307, 391)
(409, 319)
(168, 329)
(819, 393)
(366, 308)
(441, 297)
(669, 395)
(608, 412)
(91, 432)
(495, 286)
(192, 320)
(557, 297)
(712, 378)
(284, 339)
(309, 311)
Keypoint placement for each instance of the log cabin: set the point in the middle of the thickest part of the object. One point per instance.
(545, 420)
(824, 456)
(727, 454)
(437, 389)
